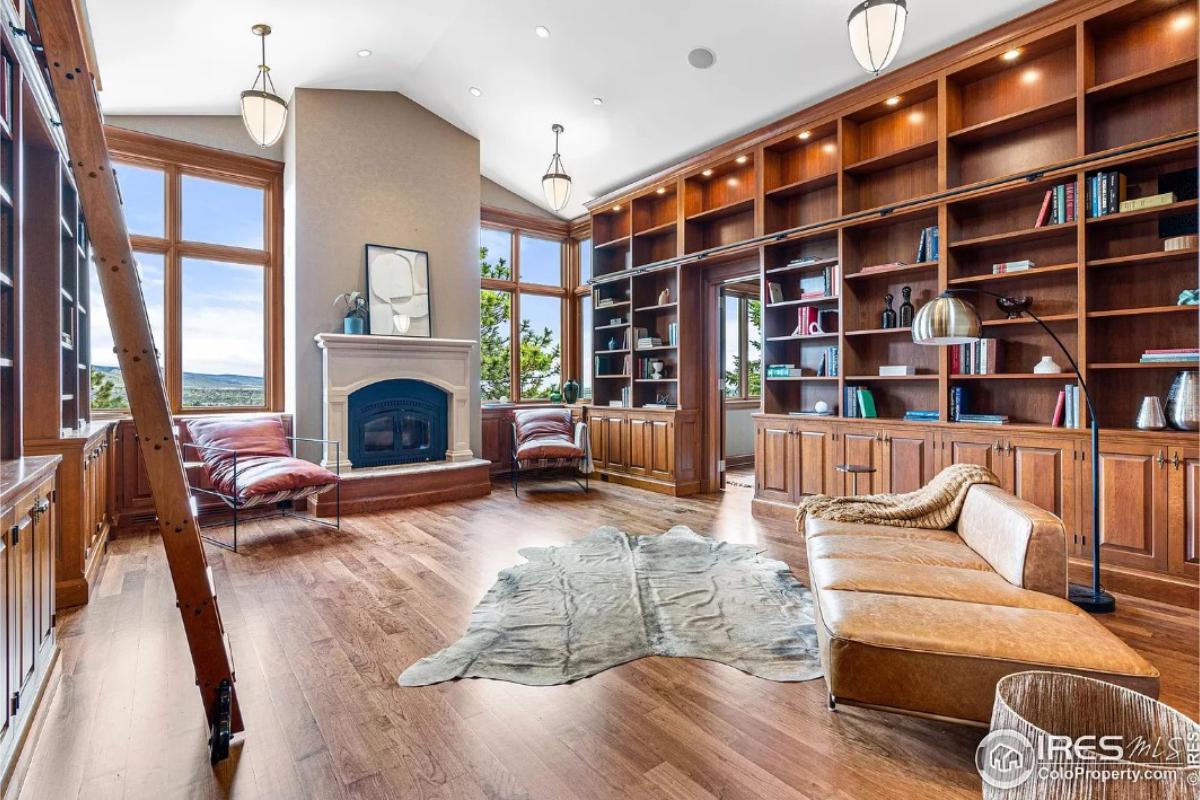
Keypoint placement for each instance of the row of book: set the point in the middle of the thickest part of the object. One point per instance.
(921, 415)
(1058, 205)
(784, 371)
(927, 247)
(626, 400)
(859, 401)
(1106, 192)
(980, 357)
(1066, 408)
(613, 365)
(1178, 355)
(810, 287)
(645, 340)
(828, 368)
(811, 320)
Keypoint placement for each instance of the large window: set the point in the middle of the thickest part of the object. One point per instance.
(743, 346)
(522, 319)
(206, 229)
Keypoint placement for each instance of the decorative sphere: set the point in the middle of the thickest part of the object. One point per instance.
(821, 407)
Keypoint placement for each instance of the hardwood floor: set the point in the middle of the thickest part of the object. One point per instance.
(322, 623)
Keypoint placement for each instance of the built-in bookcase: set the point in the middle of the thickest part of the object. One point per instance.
(10, 332)
(973, 153)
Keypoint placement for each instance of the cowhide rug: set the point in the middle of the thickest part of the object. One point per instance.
(572, 611)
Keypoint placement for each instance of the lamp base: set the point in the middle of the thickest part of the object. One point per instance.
(1093, 601)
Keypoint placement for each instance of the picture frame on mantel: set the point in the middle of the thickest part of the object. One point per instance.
(398, 302)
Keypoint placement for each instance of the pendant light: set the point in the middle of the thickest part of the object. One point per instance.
(876, 29)
(556, 183)
(263, 111)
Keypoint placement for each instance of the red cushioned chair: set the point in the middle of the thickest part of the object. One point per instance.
(251, 463)
(547, 438)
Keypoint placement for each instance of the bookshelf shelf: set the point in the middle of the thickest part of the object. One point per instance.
(810, 301)
(1005, 321)
(803, 337)
(620, 241)
(725, 210)
(812, 265)
(656, 380)
(1189, 254)
(1138, 365)
(891, 378)
(612, 352)
(1147, 311)
(879, 332)
(613, 377)
(1004, 276)
(1014, 376)
(658, 230)
(907, 269)
(656, 347)
(612, 327)
(614, 304)
(656, 307)
(802, 379)
(1015, 237)
(1171, 209)
(1144, 79)
(905, 155)
(809, 184)
(1024, 118)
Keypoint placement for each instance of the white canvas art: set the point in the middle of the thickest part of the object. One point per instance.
(398, 289)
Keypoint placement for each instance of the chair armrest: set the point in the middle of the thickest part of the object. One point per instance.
(581, 435)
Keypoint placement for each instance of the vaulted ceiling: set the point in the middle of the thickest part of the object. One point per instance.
(772, 57)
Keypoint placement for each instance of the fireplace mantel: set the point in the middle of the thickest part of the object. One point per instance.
(350, 362)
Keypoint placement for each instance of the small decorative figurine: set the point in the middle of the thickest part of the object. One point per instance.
(656, 368)
(612, 343)
(906, 308)
(888, 318)
(664, 296)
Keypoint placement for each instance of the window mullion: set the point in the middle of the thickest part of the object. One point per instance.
(173, 302)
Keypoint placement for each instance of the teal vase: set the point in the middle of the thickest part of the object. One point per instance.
(570, 391)
(352, 325)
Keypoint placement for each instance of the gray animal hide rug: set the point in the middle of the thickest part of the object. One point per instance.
(572, 611)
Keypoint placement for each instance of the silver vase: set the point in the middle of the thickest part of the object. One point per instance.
(1183, 401)
(1150, 415)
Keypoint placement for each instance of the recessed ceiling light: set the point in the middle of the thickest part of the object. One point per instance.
(707, 173)
(741, 159)
(1012, 55)
(829, 147)
(597, 101)
(661, 190)
(805, 134)
(702, 58)
(1030, 76)
(617, 207)
(894, 100)
(475, 92)
(542, 31)
(363, 53)
(732, 181)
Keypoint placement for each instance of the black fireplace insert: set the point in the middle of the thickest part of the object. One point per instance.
(399, 421)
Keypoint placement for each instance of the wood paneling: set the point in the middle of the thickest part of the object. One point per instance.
(775, 462)
(909, 460)
(1133, 506)
(814, 452)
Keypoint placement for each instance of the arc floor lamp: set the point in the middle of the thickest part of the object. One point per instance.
(949, 320)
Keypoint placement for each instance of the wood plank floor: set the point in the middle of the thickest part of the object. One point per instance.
(323, 622)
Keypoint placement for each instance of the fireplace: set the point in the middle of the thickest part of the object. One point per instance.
(398, 421)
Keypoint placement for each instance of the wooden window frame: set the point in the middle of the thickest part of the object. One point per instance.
(177, 159)
(743, 350)
(517, 225)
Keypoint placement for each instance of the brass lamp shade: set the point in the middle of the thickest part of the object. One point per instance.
(946, 320)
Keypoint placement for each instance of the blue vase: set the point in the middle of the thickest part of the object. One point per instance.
(352, 325)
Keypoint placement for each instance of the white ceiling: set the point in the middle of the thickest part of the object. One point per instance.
(773, 57)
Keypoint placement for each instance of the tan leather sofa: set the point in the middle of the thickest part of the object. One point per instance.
(926, 621)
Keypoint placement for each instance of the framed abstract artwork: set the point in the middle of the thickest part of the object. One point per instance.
(398, 291)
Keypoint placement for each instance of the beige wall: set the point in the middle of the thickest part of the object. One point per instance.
(496, 196)
(224, 132)
(373, 167)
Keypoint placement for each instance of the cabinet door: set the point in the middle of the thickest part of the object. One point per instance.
(908, 460)
(22, 631)
(814, 462)
(862, 447)
(1133, 505)
(974, 448)
(7, 637)
(662, 448)
(1043, 472)
(775, 461)
(616, 444)
(598, 438)
(639, 447)
(44, 536)
(1183, 512)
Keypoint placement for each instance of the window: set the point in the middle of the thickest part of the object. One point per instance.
(527, 312)
(206, 231)
(583, 302)
(742, 316)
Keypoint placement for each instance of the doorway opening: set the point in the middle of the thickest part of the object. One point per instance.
(741, 372)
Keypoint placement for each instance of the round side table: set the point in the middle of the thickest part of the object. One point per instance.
(855, 470)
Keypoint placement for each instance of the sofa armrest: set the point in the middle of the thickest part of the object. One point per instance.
(1024, 543)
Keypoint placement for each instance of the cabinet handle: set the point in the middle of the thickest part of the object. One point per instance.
(1159, 459)
(996, 446)
(1008, 447)
(1175, 460)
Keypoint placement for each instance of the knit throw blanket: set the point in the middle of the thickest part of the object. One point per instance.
(935, 505)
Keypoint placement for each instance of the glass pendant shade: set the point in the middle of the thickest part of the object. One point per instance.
(265, 115)
(946, 320)
(263, 111)
(556, 183)
(876, 30)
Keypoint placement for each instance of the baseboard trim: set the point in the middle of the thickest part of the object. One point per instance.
(772, 509)
(650, 484)
(1170, 589)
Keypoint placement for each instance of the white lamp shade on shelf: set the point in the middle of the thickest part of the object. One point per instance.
(265, 115)
(876, 30)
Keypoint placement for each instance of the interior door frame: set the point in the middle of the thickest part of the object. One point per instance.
(712, 395)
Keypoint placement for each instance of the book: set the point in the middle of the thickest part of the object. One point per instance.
(984, 419)
(921, 246)
(1153, 201)
(1181, 243)
(866, 403)
(1175, 350)
(871, 270)
(1044, 212)
(1012, 266)
(1057, 418)
(886, 370)
(918, 415)
(959, 402)
(775, 291)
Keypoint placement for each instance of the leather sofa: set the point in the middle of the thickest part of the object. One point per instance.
(926, 621)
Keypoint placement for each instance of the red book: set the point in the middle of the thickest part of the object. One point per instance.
(1041, 220)
(1059, 407)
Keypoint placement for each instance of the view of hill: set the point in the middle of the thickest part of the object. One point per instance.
(200, 389)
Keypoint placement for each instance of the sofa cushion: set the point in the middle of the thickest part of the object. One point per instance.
(1024, 543)
(896, 550)
(548, 448)
(814, 526)
(543, 423)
